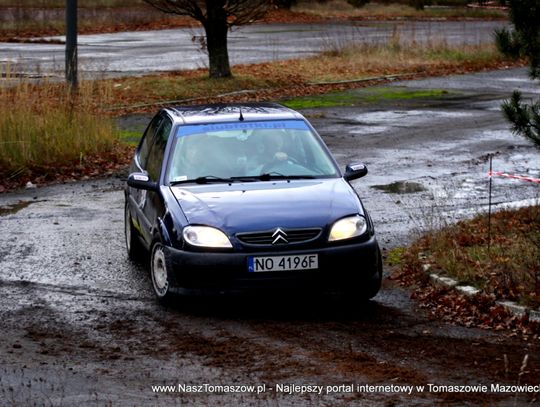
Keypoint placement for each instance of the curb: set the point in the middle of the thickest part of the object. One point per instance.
(512, 307)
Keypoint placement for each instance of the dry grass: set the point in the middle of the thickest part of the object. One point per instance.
(62, 3)
(509, 268)
(26, 18)
(45, 125)
(390, 11)
(393, 57)
(292, 77)
(188, 86)
(41, 125)
(34, 19)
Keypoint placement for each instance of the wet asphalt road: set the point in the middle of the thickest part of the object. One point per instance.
(130, 53)
(80, 325)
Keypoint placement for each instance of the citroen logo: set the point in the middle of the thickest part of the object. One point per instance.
(279, 236)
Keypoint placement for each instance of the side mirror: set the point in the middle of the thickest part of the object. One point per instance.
(140, 180)
(355, 171)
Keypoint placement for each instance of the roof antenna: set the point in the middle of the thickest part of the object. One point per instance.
(241, 118)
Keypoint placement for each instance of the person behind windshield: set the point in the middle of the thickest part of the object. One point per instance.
(268, 148)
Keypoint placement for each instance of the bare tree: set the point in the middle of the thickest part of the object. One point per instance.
(217, 17)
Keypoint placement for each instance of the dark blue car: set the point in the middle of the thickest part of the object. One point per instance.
(247, 197)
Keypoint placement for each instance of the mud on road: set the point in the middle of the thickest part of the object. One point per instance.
(80, 324)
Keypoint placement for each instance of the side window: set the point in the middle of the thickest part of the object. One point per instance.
(148, 138)
(157, 150)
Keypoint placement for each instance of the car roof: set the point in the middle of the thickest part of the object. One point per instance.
(231, 112)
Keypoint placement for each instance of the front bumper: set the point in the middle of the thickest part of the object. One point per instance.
(341, 268)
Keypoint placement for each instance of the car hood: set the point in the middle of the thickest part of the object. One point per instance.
(255, 206)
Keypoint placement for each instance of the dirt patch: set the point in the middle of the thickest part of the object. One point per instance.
(135, 345)
(14, 208)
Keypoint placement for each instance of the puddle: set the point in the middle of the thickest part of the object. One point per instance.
(14, 208)
(412, 116)
(379, 122)
(400, 187)
(365, 130)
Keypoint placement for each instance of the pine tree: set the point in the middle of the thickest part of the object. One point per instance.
(523, 41)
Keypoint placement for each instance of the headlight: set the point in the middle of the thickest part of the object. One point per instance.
(206, 236)
(348, 227)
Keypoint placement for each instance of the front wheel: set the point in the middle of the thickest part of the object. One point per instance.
(374, 285)
(369, 288)
(161, 271)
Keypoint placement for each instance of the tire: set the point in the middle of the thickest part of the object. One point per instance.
(161, 273)
(134, 247)
(374, 285)
(369, 289)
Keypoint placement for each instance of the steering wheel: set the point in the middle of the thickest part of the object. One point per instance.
(266, 168)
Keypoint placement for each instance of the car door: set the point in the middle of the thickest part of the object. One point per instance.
(152, 205)
(136, 198)
(148, 159)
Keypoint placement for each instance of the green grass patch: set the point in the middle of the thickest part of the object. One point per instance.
(130, 137)
(395, 256)
(395, 93)
(458, 54)
(352, 98)
(325, 100)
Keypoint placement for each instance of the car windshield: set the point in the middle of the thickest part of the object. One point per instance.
(243, 150)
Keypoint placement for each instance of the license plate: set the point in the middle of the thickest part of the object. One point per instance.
(283, 263)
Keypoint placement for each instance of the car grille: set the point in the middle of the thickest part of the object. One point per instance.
(268, 237)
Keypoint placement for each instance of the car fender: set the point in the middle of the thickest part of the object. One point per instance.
(161, 233)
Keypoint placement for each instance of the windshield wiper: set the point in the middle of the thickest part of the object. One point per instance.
(207, 179)
(267, 176)
(203, 180)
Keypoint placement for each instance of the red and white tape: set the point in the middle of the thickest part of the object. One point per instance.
(506, 175)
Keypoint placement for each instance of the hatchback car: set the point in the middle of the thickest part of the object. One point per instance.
(247, 197)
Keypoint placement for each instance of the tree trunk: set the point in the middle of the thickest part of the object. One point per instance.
(216, 40)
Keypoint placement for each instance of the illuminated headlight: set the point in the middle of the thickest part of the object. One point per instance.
(348, 227)
(206, 236)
